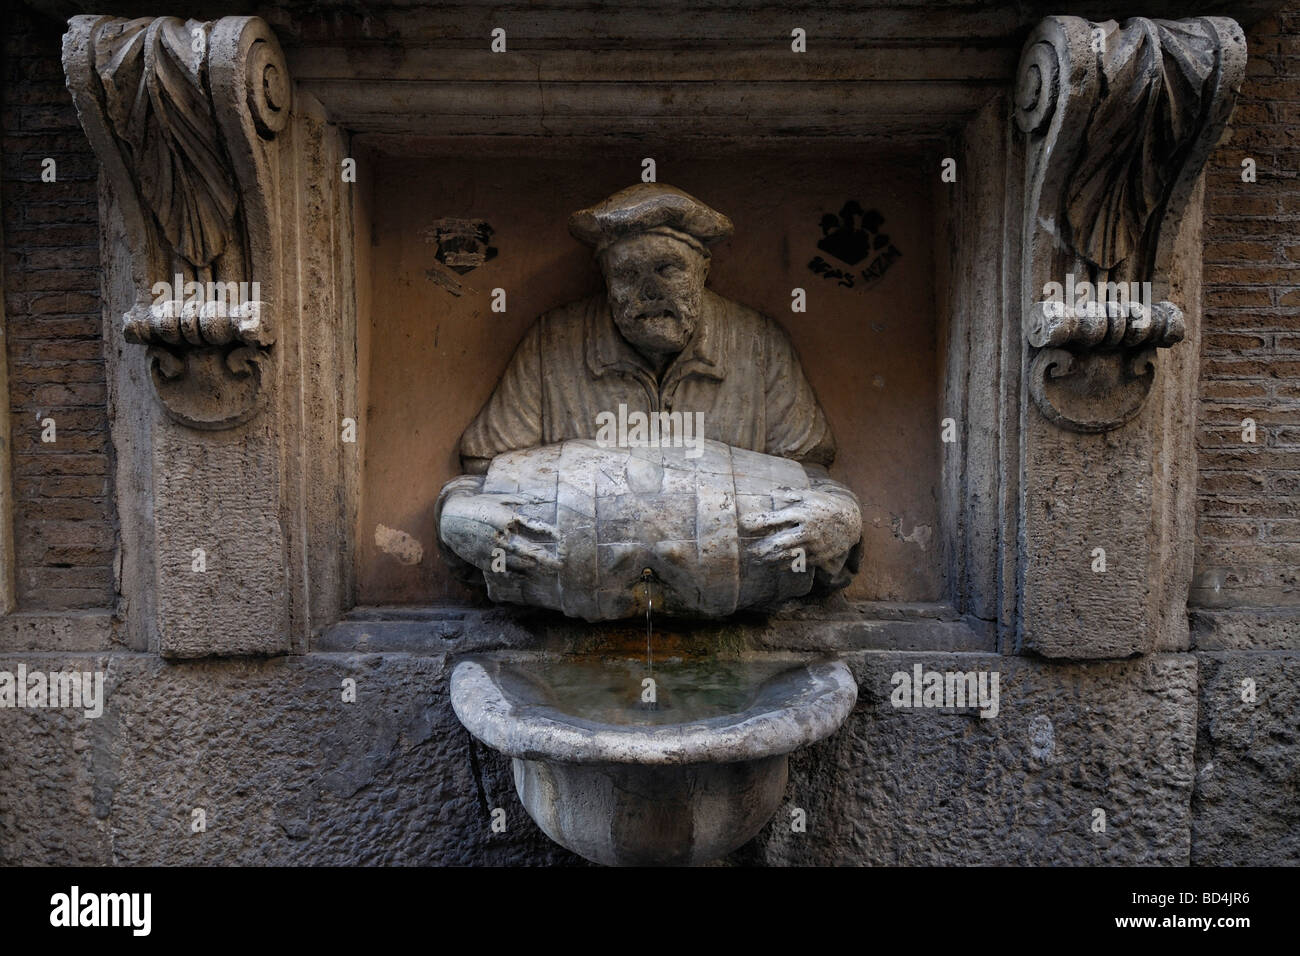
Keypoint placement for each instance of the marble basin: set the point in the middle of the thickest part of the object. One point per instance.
(680, 781)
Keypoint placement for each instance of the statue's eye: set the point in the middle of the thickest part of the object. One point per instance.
(666, 269)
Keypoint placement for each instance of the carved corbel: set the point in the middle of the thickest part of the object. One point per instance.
(1119, 121)
(182, 115)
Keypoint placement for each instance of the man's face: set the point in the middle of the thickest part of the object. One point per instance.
(656, 290)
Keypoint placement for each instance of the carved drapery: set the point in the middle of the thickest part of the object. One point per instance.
(183, 115)
(1119, 122)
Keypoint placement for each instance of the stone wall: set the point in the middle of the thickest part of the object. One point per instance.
(1183, 770)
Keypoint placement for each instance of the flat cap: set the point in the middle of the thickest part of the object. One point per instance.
(647, 207)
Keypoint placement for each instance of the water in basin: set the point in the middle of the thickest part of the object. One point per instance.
(611, 690)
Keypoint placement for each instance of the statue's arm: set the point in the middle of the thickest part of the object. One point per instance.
(796, 425)
(512, 417)
(797, 429)
(464, 572)
(836, 573)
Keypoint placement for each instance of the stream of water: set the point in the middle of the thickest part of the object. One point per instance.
(649, 691)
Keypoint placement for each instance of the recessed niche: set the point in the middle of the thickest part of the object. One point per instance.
(853, 228)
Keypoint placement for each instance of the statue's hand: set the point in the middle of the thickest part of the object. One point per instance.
(475, 525)
(824, 524)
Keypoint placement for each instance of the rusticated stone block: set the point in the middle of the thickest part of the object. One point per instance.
(1244, 808)
(284, 770)
(934, 787)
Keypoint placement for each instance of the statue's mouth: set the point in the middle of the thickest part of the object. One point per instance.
(657, 314)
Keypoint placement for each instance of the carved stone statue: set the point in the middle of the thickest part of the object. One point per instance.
(653, 442)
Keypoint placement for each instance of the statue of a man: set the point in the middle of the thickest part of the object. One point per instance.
(656, 340)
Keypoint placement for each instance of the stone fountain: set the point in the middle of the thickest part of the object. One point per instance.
(1075, 434)
(654, 448)
(622, 785)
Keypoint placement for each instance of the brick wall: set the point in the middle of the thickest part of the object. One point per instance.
(1249, 494)
(63, 510)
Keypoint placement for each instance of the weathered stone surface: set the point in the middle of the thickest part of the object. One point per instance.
(287, 773)
(1245, 810)
(1245, 629)
(928, 787)
(284, 770)
(1102, 110)
(826, 627)
(218, 545)
(638, 815)
(50, 806)
(43, 632)
(510, 704)
(688, 782)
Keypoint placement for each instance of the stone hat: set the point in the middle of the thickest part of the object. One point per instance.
(650, 207)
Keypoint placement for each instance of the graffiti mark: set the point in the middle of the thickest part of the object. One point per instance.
(851, 238)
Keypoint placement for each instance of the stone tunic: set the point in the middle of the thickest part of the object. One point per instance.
(739, 369)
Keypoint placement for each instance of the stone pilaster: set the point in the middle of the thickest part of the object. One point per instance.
(211, 237)
(1118, 121)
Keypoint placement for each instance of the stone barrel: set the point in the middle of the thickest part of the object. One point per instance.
(673, 510)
